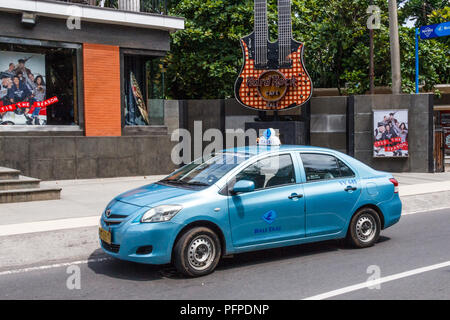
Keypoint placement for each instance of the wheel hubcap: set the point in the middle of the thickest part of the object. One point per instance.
(201, 252)
(366, 228)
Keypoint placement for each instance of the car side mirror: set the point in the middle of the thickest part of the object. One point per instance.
(243, 186)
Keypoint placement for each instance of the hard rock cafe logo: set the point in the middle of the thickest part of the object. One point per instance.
(427, 31)
(272, 86)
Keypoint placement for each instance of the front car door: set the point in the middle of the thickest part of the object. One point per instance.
(274, 211)
(332, 190)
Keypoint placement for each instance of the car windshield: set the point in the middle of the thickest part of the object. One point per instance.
(206, 172)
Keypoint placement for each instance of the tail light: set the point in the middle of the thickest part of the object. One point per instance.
(395, 183)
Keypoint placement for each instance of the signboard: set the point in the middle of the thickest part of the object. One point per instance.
(273, 76)
(445, 118)
(429, 32)
(435, 31)
(390, 129)
(447, 138)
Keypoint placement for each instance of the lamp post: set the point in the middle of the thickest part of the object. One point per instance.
(395, 48)
(372, 63)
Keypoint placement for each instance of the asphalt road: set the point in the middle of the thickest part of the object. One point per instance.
(418, 240)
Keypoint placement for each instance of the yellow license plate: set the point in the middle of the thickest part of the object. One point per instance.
(105, 235)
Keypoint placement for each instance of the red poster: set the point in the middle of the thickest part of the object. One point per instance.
(390, 133)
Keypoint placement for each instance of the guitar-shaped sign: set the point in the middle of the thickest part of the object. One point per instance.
(273, 76)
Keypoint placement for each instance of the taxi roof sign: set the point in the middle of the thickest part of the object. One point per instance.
(269, 138)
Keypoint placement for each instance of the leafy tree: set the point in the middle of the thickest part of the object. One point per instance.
(420, 10)
(440, 16)
(206, 58)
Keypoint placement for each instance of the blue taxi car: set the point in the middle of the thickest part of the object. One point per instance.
(247, 199)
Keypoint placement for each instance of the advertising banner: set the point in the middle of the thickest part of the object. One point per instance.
(23, 93)
(447, 138)
(390, 133)
(435, 30)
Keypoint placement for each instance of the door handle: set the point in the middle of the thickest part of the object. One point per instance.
(295, 196)
(350, 188)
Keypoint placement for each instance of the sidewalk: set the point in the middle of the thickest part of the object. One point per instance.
(79, 198)
(421, 178)
(82, 201)
(66, 229)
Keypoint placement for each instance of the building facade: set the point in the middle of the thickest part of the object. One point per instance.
(82, 92)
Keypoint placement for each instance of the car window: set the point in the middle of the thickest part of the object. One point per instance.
(205, 172)
(320, 167)
(269, 172)
(345, 170)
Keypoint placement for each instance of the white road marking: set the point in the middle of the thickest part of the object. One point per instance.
(379, 281)
(51, 225)
(52, 266)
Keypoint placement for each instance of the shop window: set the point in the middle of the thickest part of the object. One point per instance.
(38, 85)
(143, 90)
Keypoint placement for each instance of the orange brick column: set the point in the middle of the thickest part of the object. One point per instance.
(101, 71)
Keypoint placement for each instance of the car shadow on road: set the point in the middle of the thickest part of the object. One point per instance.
(279, 254)
(126, 270)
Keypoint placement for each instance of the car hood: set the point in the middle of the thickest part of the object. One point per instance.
(151, 194)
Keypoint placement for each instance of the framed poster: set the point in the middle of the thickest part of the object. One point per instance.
(447, 138)
(23, 90)
(390, 129)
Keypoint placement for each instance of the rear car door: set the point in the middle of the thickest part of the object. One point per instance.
(331, 190)
(274, 211)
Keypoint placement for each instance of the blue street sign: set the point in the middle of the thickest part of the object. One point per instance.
(435, 30)
(429, 32)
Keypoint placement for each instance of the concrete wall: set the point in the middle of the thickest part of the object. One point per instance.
(340, 123)
(197, 116)
(328, 118)
(236, 115)
(328, 122)
(58, 155)
(420, 131)
(210, 112)
(69, 157)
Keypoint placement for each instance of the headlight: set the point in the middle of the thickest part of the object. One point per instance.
(161, 213)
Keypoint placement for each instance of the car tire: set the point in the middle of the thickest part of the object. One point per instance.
(364, 229)
(197, 252)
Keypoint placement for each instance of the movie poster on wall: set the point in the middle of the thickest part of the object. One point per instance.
(390, 133)
(447, 138)
(23, 91)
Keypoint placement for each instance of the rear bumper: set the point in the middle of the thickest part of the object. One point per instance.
(392, 211)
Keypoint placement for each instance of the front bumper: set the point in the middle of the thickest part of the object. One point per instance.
(129, 237)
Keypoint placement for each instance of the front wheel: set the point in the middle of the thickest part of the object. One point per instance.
(364, 229)
(197, 252)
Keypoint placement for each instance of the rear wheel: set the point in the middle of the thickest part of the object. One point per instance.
(197, 252)
(364, 229)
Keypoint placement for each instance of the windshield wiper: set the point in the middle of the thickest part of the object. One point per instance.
(172, 181)
(198, 183)
(193, 183)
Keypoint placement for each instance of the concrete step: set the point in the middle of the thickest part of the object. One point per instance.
(21, 183)
(9, 174)
(35, 194)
